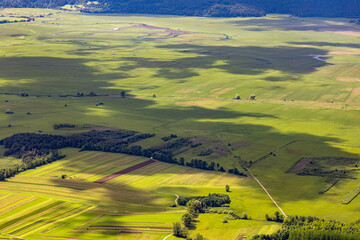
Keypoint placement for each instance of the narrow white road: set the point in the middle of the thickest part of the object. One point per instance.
(167, 236)
(272, 199)
(319, 58)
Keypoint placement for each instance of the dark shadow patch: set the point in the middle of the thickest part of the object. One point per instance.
(18, 35)
(238, 60)
(51, 74)
(292, 24)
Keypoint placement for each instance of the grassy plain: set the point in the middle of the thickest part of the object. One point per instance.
(195, 66)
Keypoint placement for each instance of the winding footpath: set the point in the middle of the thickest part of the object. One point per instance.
(167, 236)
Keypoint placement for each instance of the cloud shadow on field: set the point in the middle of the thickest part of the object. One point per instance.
(327, 44)
(292, 24)
(250, 60)
(53, 73)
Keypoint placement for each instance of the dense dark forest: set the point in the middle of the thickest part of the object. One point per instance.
(212, 8)
(32, 146)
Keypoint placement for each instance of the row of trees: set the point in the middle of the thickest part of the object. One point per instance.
(212, 200)
(27, 163)
(216, 8)
(277, 218)
(119, 141)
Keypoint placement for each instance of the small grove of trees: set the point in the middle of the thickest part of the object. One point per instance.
(187, 219)
(180, 231)
(167, 138)
(205, 152)
(277, 218)
(212, 200)
(236, 172)
(312, 228)
(63, 125)
(198, 163)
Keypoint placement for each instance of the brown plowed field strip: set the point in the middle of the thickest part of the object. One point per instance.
(124, 171)
(129, 227)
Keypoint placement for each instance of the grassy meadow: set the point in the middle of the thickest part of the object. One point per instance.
(304, 108)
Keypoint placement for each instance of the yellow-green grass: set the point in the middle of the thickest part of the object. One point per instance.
(195, 76)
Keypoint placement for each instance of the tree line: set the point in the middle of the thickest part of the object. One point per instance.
(212, 8)
(194, 206)
(117, 141)
(313, 228)
(31, 160)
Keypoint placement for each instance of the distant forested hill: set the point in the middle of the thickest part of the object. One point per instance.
(215, 8)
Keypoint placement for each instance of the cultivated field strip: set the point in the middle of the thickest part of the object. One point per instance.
(58, 164)
(77, 164)
(12, 206)
(85, 166)
(124, 171)
(95, 173)
(34, 214)
(140, 174)
(104, 167)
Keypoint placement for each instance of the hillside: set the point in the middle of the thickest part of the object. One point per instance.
(213, 8)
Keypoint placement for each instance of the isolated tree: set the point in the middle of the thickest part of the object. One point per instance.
(154, 95)
(244, 215)
(227, 187)
(123, 94)
(237, 97)
(252, 97)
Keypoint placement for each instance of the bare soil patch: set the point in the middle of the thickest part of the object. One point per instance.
(214, 90)
(348, 79)
(222, 92)
(356, 90)
(124, 171)
(202, 140)
(300, 165)
(128, 227)
(219, 149)
(189, 90)
(348, 32)
(240, 144)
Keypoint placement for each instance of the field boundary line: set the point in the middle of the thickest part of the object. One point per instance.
(266, 191)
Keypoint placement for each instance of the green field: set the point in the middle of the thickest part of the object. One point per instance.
(304, 109)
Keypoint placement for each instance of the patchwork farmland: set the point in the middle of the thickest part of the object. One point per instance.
(276, 95)
(61, 200)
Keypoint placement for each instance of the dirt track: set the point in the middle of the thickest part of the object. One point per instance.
(124, 171)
